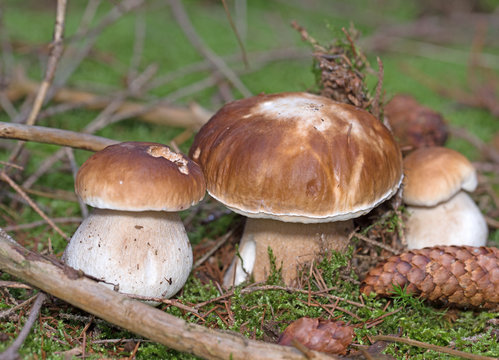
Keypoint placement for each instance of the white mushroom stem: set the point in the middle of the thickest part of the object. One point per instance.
(293, 245)
(141, 253)
(457, 221)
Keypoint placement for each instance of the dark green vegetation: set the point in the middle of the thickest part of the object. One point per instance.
(263, 313)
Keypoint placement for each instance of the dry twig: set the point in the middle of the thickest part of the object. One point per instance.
(54, 136)
(80, 291)
(436, 348)
(12, 352)
(35, 207)
(217, 62)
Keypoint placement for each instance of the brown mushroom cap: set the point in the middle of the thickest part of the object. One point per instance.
(297, 157)
(435, 174)
(140, 176)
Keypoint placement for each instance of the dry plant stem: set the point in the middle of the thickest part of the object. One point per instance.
(12, 352)
(31, 203)
(8, 164)
(219, 64)
(375, 243)
(436, 348)
(486, 150)
(435, 52)
(6, 313)
(238, 37)
(13, 285)
(90, 36)
(67, 284)
(161, 114)
(377, 105)
(74, 171)
(55, 53)
(218, 244)
(254, 288)
(54, 136)
(170, 302)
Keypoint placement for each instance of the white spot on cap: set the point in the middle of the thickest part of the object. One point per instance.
(310, 110)
(176, 158)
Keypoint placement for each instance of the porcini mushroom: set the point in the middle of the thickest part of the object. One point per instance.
(299, 167)
(440, 211)
(134, 239)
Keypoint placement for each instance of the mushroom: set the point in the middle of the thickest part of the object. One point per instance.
(440, 211)
(299, 167)
(134, 239)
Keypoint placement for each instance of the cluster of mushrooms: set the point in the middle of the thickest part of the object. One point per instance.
(298, 166)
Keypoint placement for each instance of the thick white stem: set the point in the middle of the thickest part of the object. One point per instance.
(293, 245)
(457, 221)
(141, 253)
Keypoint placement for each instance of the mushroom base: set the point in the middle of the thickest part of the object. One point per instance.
(457, 221)
(293, 245)
(140, 253)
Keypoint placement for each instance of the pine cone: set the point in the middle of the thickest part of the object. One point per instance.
(321, 335)
(415, 125)
(458, 276)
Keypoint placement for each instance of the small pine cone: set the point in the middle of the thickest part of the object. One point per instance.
(328, 336)
(458, 276)
(415, 125)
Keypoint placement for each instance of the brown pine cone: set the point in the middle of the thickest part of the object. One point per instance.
(458, 276)
(328, 336)
(415, 125)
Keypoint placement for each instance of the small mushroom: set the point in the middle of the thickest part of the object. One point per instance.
(134, 239)
(299, 167)
(440, 211)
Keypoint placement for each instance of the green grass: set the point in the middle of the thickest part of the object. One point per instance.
(256, 313)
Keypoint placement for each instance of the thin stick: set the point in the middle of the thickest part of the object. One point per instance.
(376, 108)
(486, 150)
(218, 244)
(14, 285)
(55, 53)
(375, 243)
(186, 25)
(253, 288)
(6, 313)
(12, 351)
(74, 171)
(35, 207)
(238, 37)
(161, 114)
(8, 164)
(171, 302)
(67, 284)
(54, 136)
(431, 347)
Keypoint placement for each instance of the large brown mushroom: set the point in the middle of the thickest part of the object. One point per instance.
(134, 239)
(299, 167)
